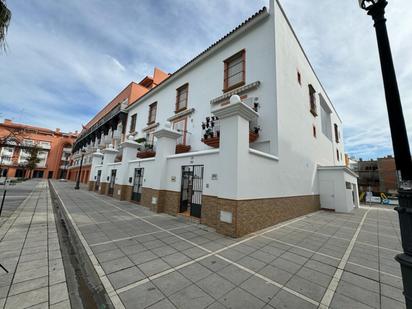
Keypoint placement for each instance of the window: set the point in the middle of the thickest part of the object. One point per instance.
(312, 100)
(326, 122)
(314, 131)
(152, 113)
(180, 126)
(133, 123)
(299, 78)
(337, 154)
(181, 97)
(234, 74)
(336, 133)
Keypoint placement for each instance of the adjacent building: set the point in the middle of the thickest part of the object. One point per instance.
(108, 125)
(378, 176)
(53, 151)
(241, 137)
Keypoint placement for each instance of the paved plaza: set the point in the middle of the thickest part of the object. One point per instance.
(30, 251)
(148, 260)
(15, 195)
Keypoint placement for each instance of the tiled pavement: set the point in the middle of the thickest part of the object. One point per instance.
(16, 194)
(30, 251)
(320, 260)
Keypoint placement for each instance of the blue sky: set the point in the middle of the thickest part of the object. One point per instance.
(67, 59)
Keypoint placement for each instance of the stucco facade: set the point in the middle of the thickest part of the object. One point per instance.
(254, 150)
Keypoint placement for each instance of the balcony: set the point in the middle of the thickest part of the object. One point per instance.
(211, 132)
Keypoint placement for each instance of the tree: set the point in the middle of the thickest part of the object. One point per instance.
(5, 17)
(33, 159)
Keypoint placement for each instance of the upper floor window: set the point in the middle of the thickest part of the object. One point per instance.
(299, 76)
(181, 97)
(152, 113)
(336, 132)
(133, 123)
(235, 71)
(325, 118)
(312, 100)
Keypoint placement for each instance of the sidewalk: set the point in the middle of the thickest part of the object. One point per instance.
(322, 260)
(30, 251)
(16, 194)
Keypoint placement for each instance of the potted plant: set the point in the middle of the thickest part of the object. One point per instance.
(140, 140)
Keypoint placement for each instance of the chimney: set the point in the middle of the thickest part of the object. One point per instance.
(57, 130)
(8, 121)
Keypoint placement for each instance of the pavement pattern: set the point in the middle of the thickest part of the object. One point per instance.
(30, 251)
(15, 195)
(322, 260)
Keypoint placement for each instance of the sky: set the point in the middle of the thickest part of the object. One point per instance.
(67, 59)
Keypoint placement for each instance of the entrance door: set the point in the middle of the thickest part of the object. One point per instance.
(137, 184)
(327, 197)
(97, 183)
(191, 190)
(112, 181)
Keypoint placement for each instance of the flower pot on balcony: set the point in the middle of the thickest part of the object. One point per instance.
(215, 140)
(253, 136)
(146, 154)
(180, 148)
(212, 141)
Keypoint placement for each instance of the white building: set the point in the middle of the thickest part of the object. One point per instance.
(271, 149)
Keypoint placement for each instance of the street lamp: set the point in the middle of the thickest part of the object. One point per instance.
(77, 187)
(376, 9)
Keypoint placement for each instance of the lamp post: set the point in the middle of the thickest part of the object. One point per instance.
(77, 187)
(376, 9)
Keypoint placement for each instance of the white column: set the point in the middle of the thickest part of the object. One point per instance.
(129, 148)
(165, 146)
(234, 146)
(109, 156)
(96, 160)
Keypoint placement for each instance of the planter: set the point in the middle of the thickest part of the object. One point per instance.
(212, 142)
(180, 148)
(215, 141)
(146, 154)
(253, 136)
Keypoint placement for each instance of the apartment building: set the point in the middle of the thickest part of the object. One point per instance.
(242, 136)
(17, 140)
(108, 125)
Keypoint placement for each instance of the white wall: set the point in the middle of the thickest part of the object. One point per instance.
(291, 155)
(206, 83)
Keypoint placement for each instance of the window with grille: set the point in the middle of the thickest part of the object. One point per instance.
(235, 71)
(336, 133)
(152, 113)
(181, 97)
(312, 100)
(133, 123)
